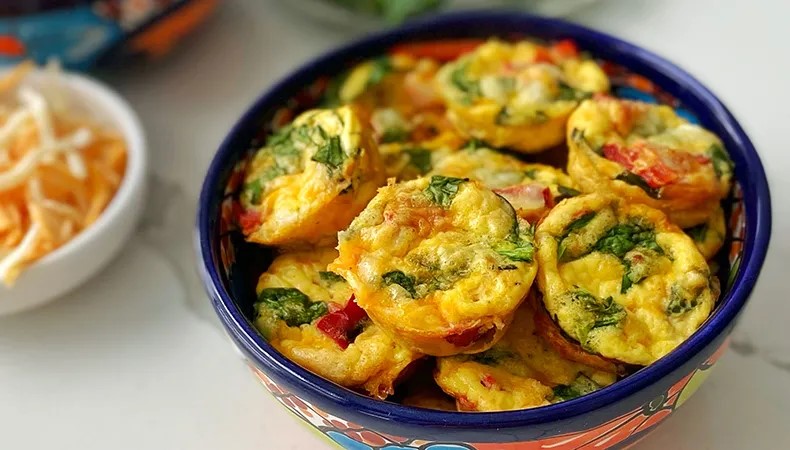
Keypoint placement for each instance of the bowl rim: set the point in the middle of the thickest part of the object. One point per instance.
(98, 95)
(758, 231)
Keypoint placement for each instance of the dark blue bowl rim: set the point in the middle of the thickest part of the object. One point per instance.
(758, 218)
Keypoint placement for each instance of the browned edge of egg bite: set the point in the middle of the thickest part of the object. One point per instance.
(566, 346)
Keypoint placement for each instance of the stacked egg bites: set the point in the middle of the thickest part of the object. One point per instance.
(409, 234)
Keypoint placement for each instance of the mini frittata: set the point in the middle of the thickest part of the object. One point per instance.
(518, 95)
(646, 153)
(309, 314)
(521, 371)
(531, 188)
(621, 279)
(441, 263)
(311, 179)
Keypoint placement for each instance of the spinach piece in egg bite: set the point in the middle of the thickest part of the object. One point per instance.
(442, 190)
(402, 280)
(582, 385)
(291, 305)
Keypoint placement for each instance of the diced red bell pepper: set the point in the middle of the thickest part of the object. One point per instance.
(542, 55)
(655, 173)
(339, 323)
(445, 50)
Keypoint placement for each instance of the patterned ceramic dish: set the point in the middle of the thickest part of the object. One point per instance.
(614, 417)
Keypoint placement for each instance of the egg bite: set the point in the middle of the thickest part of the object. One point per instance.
(521, 371)
(647, 154)
(709, 236)
(533, 189)
(310, 180)
(441, 263)
(518, 95)
(407, 161)
(621, 279)
(309, 315)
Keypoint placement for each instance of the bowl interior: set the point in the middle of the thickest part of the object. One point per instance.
(233, 265)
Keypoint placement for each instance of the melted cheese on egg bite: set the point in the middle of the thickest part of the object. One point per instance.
(521, 371)
(310, 179)
(441, 263)
(709, 237)
(295, 294)
(621, 279)
(518, 95)
(648, 154)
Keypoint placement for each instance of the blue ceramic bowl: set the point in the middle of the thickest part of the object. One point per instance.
(614, 417)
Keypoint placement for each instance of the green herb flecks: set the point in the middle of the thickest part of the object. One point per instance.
(442, 190)
(331, 153)
(330, 277)
(635, 180)
(291, 305)
(420, 159)
(582, 385)
(402, 280)
(679, 303)
(722, 164)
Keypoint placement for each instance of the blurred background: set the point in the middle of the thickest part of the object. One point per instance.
(135, 359)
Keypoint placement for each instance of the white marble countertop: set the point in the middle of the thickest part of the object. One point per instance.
(135, 359)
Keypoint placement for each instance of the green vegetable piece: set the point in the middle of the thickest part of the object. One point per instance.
(531, 173)
(492, 356)
(637, 268)
(380, 68)
(635, 180)
(623, 238)
(678, 303)
(402, 280)
(291, 305)
(566, 192)
(331, 153)
(442, 190)
(604, 312)
(330, 277)
(420, 159)
(460, 79)
(569, 93)
(394, 135)
(474, 144)
(698, 233)
(254, 189)
(582, 385)
(722, 164)
(576, 225)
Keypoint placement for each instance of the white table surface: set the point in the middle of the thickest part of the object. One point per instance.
(135, 359)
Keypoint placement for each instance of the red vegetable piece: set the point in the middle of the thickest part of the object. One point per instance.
(542, 55)
(642, 162)
(248, 220)
(445, 50)
(566, 48)
(339, 323)
(488, 381)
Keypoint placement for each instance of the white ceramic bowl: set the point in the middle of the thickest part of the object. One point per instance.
(76, 261)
